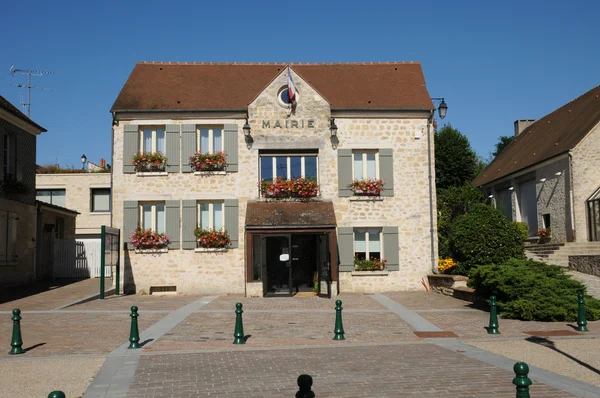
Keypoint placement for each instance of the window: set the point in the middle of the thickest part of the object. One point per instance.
(546, 218)
(288, 166)
(152, 216)
(52, 196)
(210, 139)
(367, 243)
(100, 199)
(8, 236)
(153, 139)
(5, 161)
(365, 165)
(210, 215)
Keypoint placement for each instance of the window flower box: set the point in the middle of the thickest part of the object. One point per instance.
(300, 188)
(212, 239)
(201, 162)
(146, 240)
(371, 264)
(149, 162)
(367, 187)
(544, 235)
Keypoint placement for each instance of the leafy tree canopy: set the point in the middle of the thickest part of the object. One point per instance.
(502, 143)
(456, 163)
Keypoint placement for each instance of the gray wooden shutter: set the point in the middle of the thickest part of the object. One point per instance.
(188, 147)
(189, 220)
(131, 141)
(172, 221)
(232, 221)
(231, 146)
(346, 248)
(344, 172)
(13, 225)
(3, 228)
(386, 170)
(173, 148)
(390, 248)
(130, 219)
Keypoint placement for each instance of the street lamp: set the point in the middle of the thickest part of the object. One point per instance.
(442, 108)
(333, 127)
(83, 160)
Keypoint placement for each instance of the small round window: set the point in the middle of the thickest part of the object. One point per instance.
(283, 96)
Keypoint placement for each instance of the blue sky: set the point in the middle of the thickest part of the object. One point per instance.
(494, 62)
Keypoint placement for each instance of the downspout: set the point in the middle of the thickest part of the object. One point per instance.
(573, 230)
(434, 265)
(112, 167)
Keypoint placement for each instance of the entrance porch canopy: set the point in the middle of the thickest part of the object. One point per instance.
(297, 215)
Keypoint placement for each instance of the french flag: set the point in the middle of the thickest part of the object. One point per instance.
(291, 88)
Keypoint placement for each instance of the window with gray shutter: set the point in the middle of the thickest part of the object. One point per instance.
(390, 248)
(189, 220)
(344, 172)
(173, 148)
(232, 221)
(346, 248)
(386, 170)
(172, 221)
(188, 146)
(130, 219)
(231, 147)
(131, 139)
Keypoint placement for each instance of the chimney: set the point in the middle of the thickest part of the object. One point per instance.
(522, 124)
(102, 163)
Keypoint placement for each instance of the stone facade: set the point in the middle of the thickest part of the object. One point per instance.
(78, 190)
(586, 264)
(225, 272)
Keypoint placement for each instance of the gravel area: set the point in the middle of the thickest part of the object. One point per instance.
(38, 378)
(574, 358)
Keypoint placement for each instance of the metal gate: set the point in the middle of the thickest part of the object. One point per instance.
(77, 259)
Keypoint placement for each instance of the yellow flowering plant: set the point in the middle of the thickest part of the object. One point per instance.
(446, 264)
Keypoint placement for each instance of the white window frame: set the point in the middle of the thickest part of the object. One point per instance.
(210, 129)
(92, 207)
(154, 138)
(364, 153)
(289, 157)
(211, 213)
(154, 213)
(367, 253)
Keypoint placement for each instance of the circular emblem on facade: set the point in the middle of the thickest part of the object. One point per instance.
(283, 97)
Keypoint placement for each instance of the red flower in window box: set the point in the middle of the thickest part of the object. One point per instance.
(149, 161)
(367, 187)
(371, 264)
(301, 188)
(208, 161)
(212, 238)
(147, 239)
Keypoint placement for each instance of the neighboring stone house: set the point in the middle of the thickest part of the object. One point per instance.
(348, 121)
(17, 195)
(549, 175)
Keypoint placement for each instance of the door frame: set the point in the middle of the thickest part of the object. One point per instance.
(288, 263)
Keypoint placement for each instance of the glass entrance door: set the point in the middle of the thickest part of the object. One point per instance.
(324, 265)
(276, 254)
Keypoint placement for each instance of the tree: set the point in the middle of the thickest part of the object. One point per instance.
(456, 163)
(503, 142)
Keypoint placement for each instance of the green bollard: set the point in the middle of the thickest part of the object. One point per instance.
(238, 333)
(57, 394)
(339, 328)
(493, 326)
(521, 380)
(305, 383)
(581, 322)
(134, 334)
(17, 340)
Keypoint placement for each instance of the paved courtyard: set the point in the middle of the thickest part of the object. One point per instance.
(393, 348)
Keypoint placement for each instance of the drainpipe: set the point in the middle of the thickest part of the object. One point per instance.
(434, 267)
(573, 230)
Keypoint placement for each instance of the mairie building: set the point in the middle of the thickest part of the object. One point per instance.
(274, 179)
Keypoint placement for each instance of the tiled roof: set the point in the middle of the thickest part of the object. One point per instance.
(290, 215)
(552, 135)
(10, 108)
(232, 86)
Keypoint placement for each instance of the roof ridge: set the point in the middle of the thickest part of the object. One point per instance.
(278, 63)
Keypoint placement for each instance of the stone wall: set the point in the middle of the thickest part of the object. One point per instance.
(225, 272)
(78, 193)
(587, 264)
(20, 271)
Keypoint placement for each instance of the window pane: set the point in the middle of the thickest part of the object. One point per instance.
(310, 167)
(296, 166)
(371, 169)
(360, 244)
(160, 140)
(281, 164)
(147, 216)
(204, 140)
(217, 140)
(374, 243)
(101, 200)
(358, 168)
(147, 141)
(58, 197)
(266, 168)
(44, 196)
(204, 216)
(218, 215)
(160, 218)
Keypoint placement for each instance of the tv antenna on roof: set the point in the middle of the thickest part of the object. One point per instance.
(29, 73)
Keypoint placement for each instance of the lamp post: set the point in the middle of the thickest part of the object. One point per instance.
(442, 108)
(333, 128)
(83, 160)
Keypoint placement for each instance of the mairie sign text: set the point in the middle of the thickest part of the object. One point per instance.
(288, 124)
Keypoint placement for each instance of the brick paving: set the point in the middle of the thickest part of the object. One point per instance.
(591, 282)
(427, 301)
(156, 303)
(414, 370)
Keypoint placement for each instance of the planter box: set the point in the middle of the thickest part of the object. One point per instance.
(152, 251)
(366, 198)
(210, 173)
(452, 285)
(370, 273)
(151, 173)
(210, 249)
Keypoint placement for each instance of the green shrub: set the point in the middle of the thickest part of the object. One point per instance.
(484, 236)
(523, 229)
(532, 291)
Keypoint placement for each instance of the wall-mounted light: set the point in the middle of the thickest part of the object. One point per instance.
(247, 137)
(543, 179)
(83, 160)
(333, 127)
(442, 108)
(511, 188)
(558, 173)
(490, 196)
